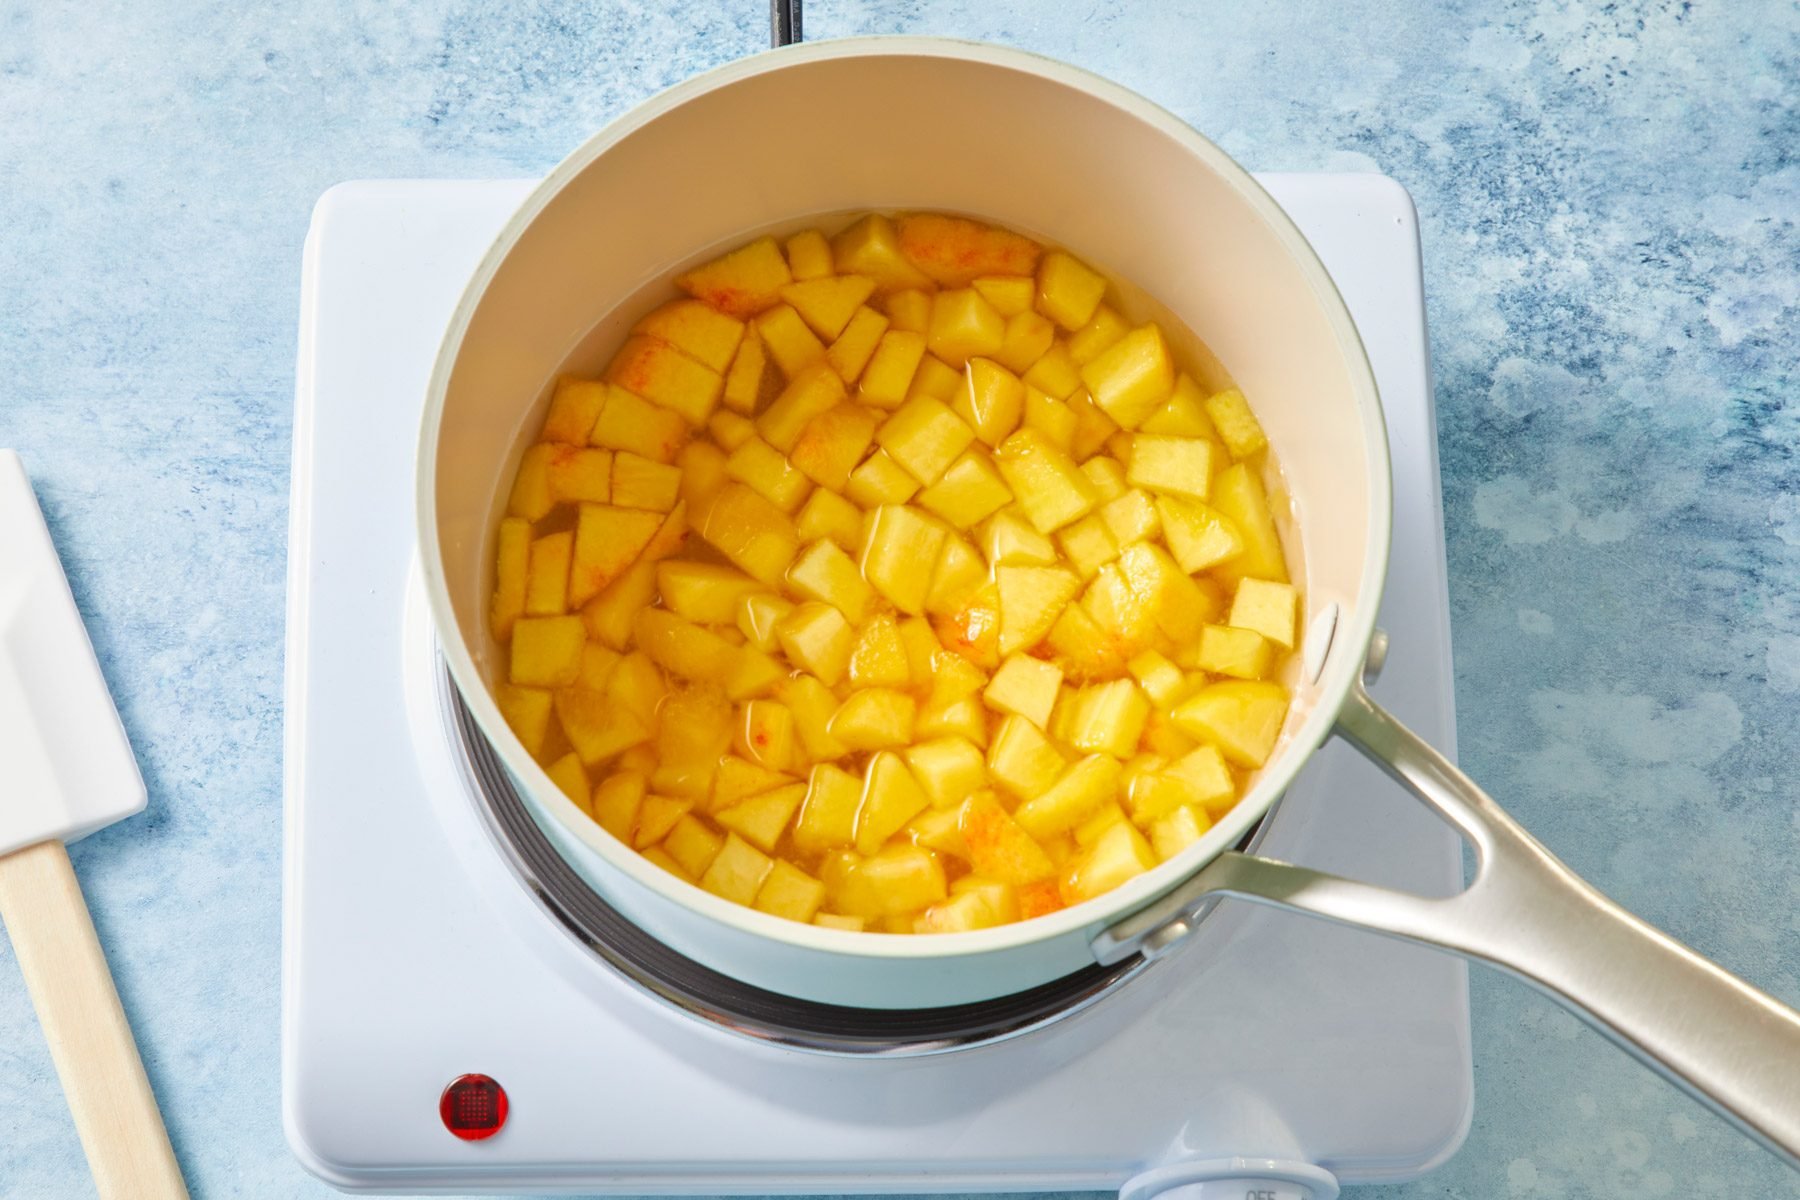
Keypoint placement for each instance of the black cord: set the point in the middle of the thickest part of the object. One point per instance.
(784, 22)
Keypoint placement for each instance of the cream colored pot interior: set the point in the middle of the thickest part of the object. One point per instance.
(899, 124)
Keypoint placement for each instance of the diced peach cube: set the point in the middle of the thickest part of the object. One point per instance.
(512, 558)
(1184, 415)
(615, 803)
(1133, 377)
(954, 251)
(1009, 540)
(630, 422)
(925, 437)
(969, 491)
(1119, 856)
(875, 719)
(1055, 373)
(527, 712)
(937, 379)
(1272, 609)
(1027, 339)
(702, 333)
(790, 892)
(991, 400)
(828, 515)
(833, 443)
(737, 871)
(578, 473)
(1098, 335)
(763, 818)
(950, 769)
(639, 482)
(1080, 790)
(765, 735)
(1048, 486)
(880, 480)
(1022, 760)
(547, 577)
(872, 247)
(878, 658)
(531, 497)
(1026, 686)
(899, 542)
(1068, 290)
(809, 255)
(1009, 294)
(731, 430)
(910, 309)
(1239, 495)
(999, 848)
(706, 593)
(891, 797)
(657, 816)
(1237, 426)
(824, 572)
(575, 405)
(888, 377)
(815, 390)
(607, 541)
(1030, 600)
(692, 845)
(856, 345)
(1109, 718)
(741, 283)
(973, 630)
(609, 615)
(751, 532)
(768, 473)
(744, 379)
(758, 615)
(963, 325)
(828, 814)
(1176, 466)
(1241, 717)
(1199, 537)
(660, 373)
(1239, 653)
(818, 639)
(790, 342)
(737, 778)
(598, 727)
(827, 304)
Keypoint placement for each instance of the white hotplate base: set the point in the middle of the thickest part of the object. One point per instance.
(412, 955)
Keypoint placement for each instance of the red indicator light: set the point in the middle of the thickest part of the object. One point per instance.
(473, 1107)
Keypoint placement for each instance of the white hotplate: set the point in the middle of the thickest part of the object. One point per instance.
(413, 954)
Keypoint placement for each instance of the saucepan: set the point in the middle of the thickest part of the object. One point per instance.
(778, 141)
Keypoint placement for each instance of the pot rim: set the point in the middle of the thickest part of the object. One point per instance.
(1348, 638)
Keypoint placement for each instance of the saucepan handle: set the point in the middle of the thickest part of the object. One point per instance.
(1730, 1045)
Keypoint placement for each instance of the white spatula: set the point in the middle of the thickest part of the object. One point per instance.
(65, 771)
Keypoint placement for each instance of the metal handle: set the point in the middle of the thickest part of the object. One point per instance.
(1730, 1045)
(784, 23)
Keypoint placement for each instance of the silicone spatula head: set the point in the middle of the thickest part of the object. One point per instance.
(66, 768)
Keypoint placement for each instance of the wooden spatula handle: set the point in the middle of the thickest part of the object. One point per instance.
(96, 1057)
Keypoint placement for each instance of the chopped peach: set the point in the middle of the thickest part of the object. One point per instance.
(659, 372)
(955, 251)
(827, 304)
(741, 283)
(574, 407)
(702, 333)
(629, 422)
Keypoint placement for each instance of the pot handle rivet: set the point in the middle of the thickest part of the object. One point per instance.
(1377, 656)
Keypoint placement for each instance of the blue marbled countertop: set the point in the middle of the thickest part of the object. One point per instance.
(1609, 197)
